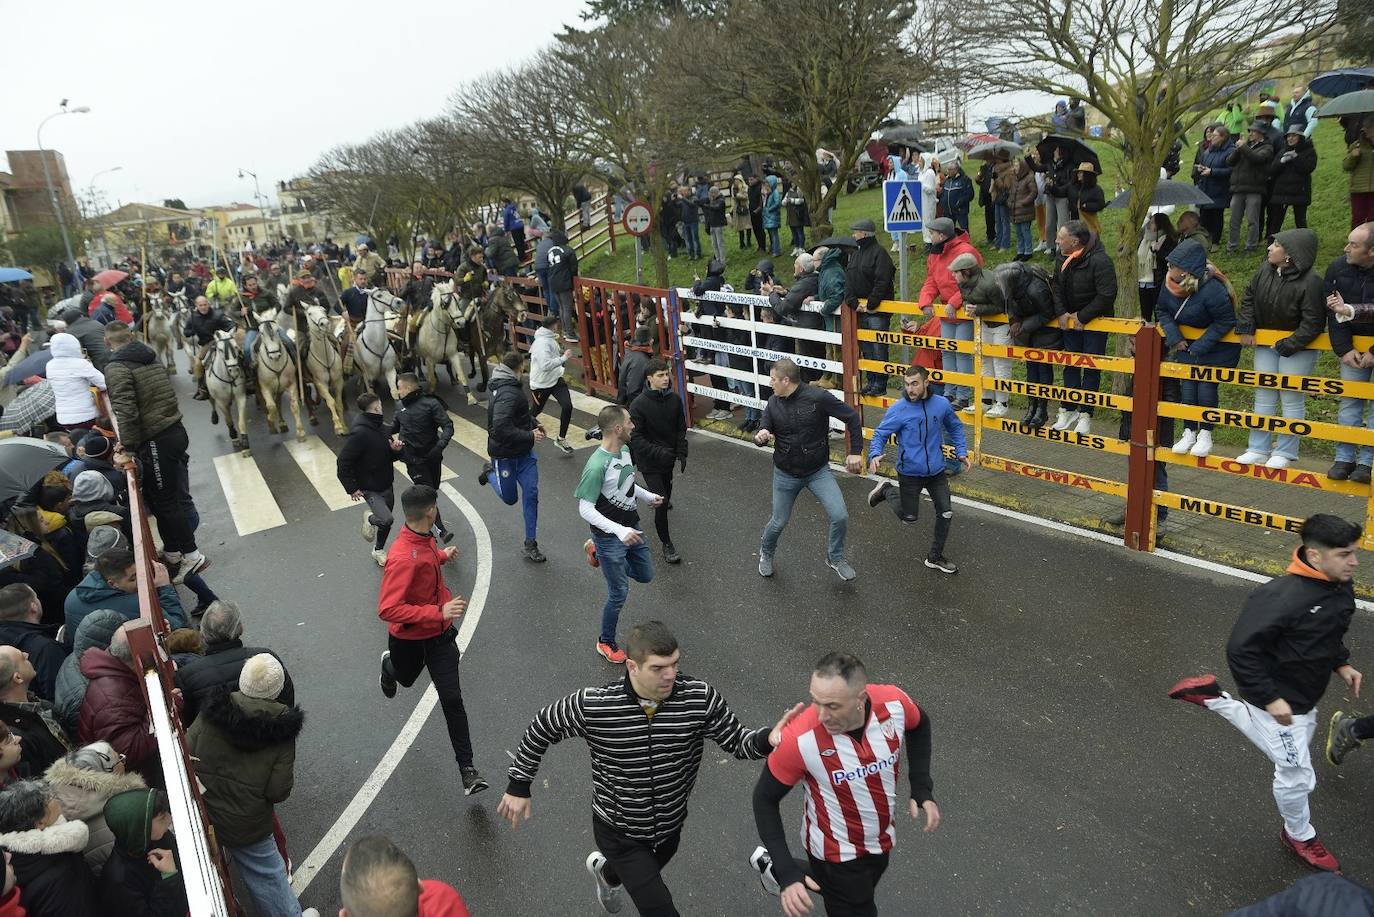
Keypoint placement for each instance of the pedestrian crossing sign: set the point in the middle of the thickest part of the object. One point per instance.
(901, 207)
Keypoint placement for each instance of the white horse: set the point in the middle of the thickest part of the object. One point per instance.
(226, 379)
(276, 375)
(442, 338)
(158, 330)
(372, 351)
(181, 311)
(325, 365)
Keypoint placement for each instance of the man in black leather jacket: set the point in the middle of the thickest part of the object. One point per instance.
(423, 424)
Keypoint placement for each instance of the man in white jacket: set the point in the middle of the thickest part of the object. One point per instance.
(72, 376)
(546, 377)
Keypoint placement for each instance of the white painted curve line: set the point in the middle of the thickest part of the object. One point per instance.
(333, 839)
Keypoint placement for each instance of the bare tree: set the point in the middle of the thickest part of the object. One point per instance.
(1151, 67)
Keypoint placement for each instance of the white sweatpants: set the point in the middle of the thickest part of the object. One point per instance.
(997, 367)
(1288, 747)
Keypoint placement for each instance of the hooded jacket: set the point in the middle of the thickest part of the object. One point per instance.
(93, 497)
(1208, 308)
(1217, 185)
(659, 437)
(939, 283)
(1288, 298)
(145, 404)
(114, 710)
(546, 360)
(45, 653)
(423, 425)
(630, 379)
(366, 459)
(413, 590)
(1086, 283)
(562, 264)
(1030, 302)
(82, 794)
(91, 334)
(1250, 166)
(1356, 285)
(868, 278)
(71, 376)
(772, 204)
(510, 425)
(246, 748)
(919, 426)
(1290, 636)
(830, 285)
(96, 629)
(53, 878)
(981, 292)
(219, 670)
(1292, 175)
(94, 592)
(130, 886)
(501, 255)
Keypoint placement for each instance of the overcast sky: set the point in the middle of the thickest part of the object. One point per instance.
(184, 94)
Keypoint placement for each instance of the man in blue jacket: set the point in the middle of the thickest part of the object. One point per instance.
(113, 584)
(918, 421)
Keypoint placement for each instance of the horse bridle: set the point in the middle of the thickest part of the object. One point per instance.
(226, 348)
(324, 331)
(362, 325)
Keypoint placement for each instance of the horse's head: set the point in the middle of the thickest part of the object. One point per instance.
(508, 300)
(318, 317)
(179, 301)
(440, 293)
(268, 316)
(227, 347)
(383, 301)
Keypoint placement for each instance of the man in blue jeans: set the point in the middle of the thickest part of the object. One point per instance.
(797, 417)
(606, 498)
(512, 432)
(1350, 295)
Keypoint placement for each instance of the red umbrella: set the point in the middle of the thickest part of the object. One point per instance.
(107, 279)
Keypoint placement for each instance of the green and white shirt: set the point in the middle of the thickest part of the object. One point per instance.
(608, 483)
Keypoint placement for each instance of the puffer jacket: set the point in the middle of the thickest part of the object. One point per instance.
(82, 794)
(94, 592)
(72, 376)
(501, 255)
(96, 630)
(1030, 302)
(660, 435)
(246, 748)
(114, 710)
(510, 425)
(1289, 298)
(981, 293)
(1023, 194)
(423, 425)
(1359, 163)
(1209, 308)
(830, 287)
(1086, 284)
(366, 460)
(145, 404)
(869, 275)
(939, 283)
(53, 878)
(772, 205)
(1293, 177)
(1217, 185)
(1250, 167)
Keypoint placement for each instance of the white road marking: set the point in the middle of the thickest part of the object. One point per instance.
(250, 501)
(334, 838)
(587, 404)
(474, 438)
(319, 464)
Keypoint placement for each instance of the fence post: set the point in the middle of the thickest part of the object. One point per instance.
(679, 369)
(849, 355)
(977, 389)
(610, 223)
(1140, 478)
(584, 330)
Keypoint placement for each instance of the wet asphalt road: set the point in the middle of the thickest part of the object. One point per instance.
(1068, 783)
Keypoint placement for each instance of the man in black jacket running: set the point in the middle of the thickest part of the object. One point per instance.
(424, 427)
(364, 470)
(513, 471)
(1285, 645)
(658, 441)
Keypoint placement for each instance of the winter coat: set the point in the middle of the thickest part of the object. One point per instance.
(1209, 308)
(1030, 302)
(714, 211)
(772, 205)
(541, 253)
(510, 425)
(981, 292)
(659, 437)
(130, 886)
(546, 360)
(939, 283)
(45, 653)
(97, 629)
(562, 266)
(510, 218)
(788, 305)
(1003, 181)
(1290, 637)
(145, 404)
(800, 424)
(920, 427)
(437, 899)
(72, 376)
(114, 710)
(1356, 285)
(43, 739)
(1023, 195)
(1250, 166)
(798, 213)
(1291, 171)
(1085, 284)
(53, 878)
(1087, 198)
(1359, 162)
(219, 669)
(632, 372)
(91, 334)
(82, 794)
(956, 194)
(1217, 186)
(830, 287)
(1288, 299)
(501, 255)
(424, 426)
(413, 589)
(869, 276)
(202, 327)
(366, 459)
(94, 592)
(246, 748)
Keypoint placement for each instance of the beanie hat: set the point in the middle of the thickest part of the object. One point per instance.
(1189, 256)
(262, 677)
(103, 538)
(96, 445)
(90, 486)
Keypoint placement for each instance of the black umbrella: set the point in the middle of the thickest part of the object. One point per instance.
(1334, 83)
(904, 134)
(35, 364)
(1076, 152)
(990, 150)
(23, 462)
(1167, 193)
(836, 242)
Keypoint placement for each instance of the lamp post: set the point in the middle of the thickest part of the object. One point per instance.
(90, 189)
(47, 175)
(257, 193)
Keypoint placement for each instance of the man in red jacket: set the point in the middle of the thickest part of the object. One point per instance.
(419, 611)
(378, 878)
(948, 242)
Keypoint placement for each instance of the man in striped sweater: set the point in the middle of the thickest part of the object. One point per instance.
(645, 734)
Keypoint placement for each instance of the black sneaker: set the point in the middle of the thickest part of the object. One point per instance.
(593, 433)
(1340, 471)
(472, 781)
(484, 475)
(941, 563)
(1361, 474)
(445, 536)
(1340, 738)
(199, 609)
(532, 552)
(386, 680)
(670, 554)
(878, 494)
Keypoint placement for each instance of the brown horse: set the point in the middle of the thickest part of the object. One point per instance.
(487, 338)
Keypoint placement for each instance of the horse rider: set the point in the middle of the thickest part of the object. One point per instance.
(417, 296)
(368, 262)
(256, 300)
(354, 299)
(222, 291)
(201, 328)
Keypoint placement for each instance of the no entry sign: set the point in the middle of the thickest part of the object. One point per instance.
(638, 218)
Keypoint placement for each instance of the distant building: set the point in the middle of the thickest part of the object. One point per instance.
(24, 200)
(134, 228)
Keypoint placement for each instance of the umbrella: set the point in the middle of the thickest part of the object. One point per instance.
(1075, 151)
(1335, 83)
(1352, 103)
(23, 462)
(35, 364)
(905, 134)
(14, 548)
(31, 409)
(1166, 194)
(107, 279)
(991, 149)
(972, 140)
(11, 274)
(836, 242)
(363, 239)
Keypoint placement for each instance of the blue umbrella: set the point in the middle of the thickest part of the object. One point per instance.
(35, 364)
(1338, 82)
(12, 274)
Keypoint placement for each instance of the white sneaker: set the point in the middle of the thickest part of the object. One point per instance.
(1084, 425)
(379, 556)
(1204, 444)
(368, 531)
(969, 408)
(763, 865)
(997, 410)
(311, 912)
(1250, 457)
(1185, 443)
(1064, 420)
(607, 895)
(1278, 461)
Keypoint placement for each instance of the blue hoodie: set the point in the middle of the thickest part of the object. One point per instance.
(918, 425)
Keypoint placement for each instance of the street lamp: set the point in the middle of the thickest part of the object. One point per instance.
(47, 175)
(257, 193)
(90, 189)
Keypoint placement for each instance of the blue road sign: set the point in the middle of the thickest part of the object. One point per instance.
(902, 206)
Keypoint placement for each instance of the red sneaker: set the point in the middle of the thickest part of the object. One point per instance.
(1195, 689)
(590, 547)
(611, 653)
(1312, 852)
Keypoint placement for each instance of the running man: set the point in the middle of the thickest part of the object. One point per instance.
(606, 498)
(847, 746)
(511, 434)
(546, 378)
(419, 611)
(1288, 640)
(365, 470)
(645, 734)
(659, 441)
(424, 428)
(919, 421)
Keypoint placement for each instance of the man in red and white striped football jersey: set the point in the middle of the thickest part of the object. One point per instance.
(847, 746)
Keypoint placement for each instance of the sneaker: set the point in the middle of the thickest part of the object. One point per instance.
(765, 564)
(593, 433)
(590, 547)
(379, 555)
(1196, 689)
(187, 567)
(878, 494)
(1278, 461)
(368, 531)
(484, 476)
(1312, 852)
(607, 895)
(1064, 420)
(1251, 457)
(763, 865)
(1360, 475)
(1340, 471)
(472, 781)
(200, 609)
(563, 446)
(611, 653)
(941, 563)
(1185, 442)
(1340, 738)
(445, 536)
(571, 337)
(1203, 446)
(532, 552)
(997, 410)
(670, 554)
(968, 409)
(1084, 424)
(842, 569)
(386, 680)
